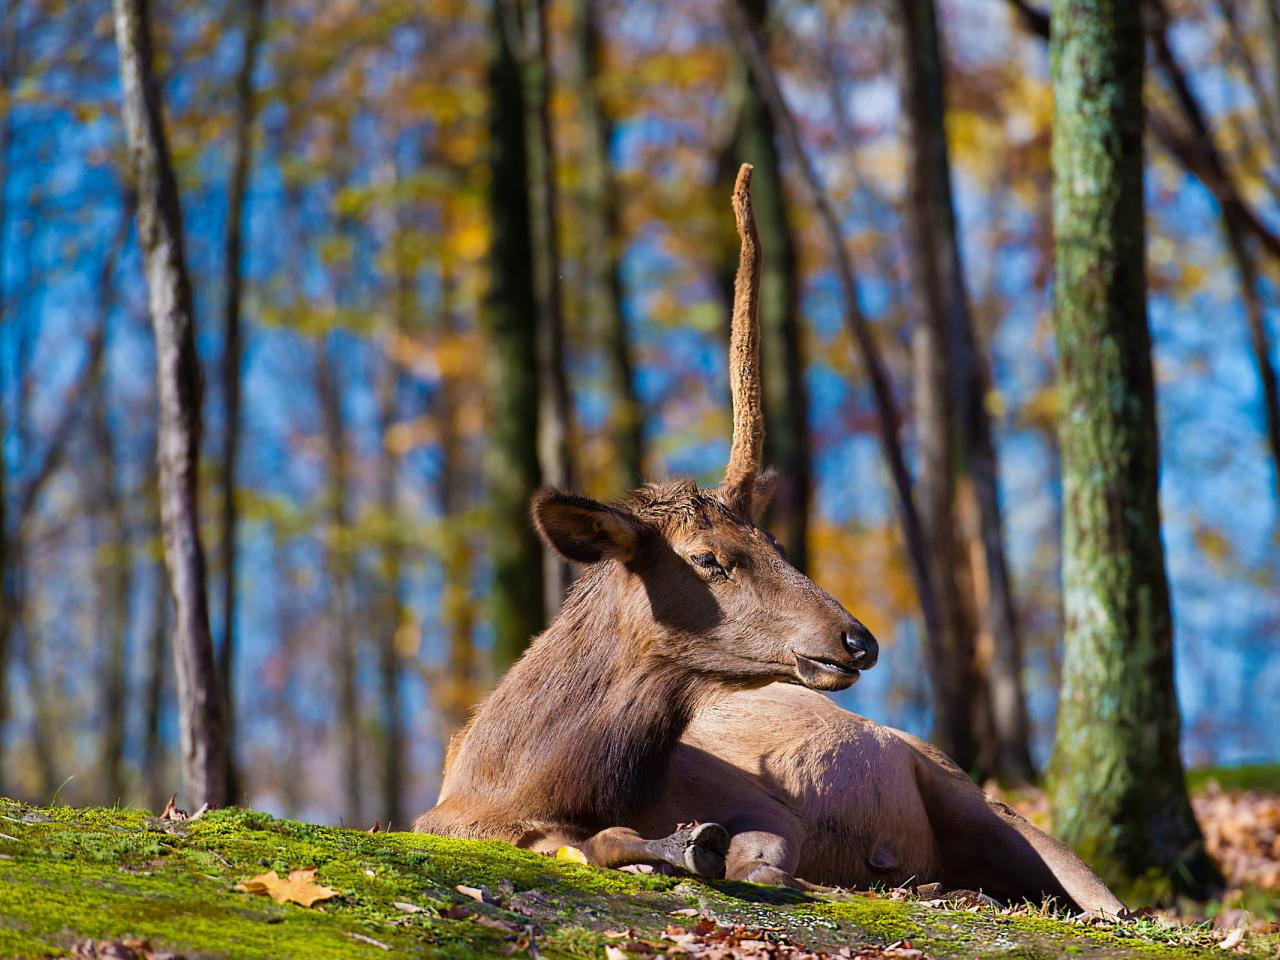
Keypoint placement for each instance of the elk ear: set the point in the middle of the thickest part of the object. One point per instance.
(762, 495)
(582, 529)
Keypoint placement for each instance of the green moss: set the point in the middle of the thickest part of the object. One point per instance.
(66, 874)
(1248, 776)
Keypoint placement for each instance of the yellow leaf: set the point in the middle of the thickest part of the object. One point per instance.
(572, 854)
(299, 887)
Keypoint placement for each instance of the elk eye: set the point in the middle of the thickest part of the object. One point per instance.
(707, 561)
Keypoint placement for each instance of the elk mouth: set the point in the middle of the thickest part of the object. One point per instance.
(819, 673)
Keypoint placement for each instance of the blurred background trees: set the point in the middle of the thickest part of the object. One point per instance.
(441, 254)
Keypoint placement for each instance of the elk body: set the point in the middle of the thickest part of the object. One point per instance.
(683, 600)
(807, 789)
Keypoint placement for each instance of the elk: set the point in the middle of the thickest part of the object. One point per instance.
(682, 600)
(808, 789)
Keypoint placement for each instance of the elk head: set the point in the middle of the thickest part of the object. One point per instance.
(700, 585)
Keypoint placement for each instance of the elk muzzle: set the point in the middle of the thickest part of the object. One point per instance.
(841, 660)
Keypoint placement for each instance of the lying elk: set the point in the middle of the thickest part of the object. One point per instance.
(808, 789)
(683, 600)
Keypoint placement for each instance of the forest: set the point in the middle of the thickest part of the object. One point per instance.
(300, 303)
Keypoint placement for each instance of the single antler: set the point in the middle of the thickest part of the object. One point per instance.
(747, 448)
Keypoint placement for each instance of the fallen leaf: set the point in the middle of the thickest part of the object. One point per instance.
(455, 912)
(407, 907)
(171, 812)
(615, 934)
(1232, 939)
(686, 912)
(572, 854)
(299, 887)
(613, 953)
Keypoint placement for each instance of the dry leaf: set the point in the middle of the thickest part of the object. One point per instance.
(572, 854)
(686, 912)
(299, 887)
(478, 894)
(1232, 939)
(407, 907)
(171, 812)
(613, 953)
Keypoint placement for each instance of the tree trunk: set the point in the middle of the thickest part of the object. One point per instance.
(1116, 779)
(958, 451)
(152, 746)
(512, 470)
(8, 77)
(786, 402)
(115, 575)
(458, 693)
(232, 361)
(391, 615)
(338, 567)
(555, 402)
(602, 245)
(178, 386)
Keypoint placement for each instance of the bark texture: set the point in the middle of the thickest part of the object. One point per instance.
(200, 705)
(1116, 779)
(512, 470)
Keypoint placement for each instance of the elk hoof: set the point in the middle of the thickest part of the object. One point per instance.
(702, 849)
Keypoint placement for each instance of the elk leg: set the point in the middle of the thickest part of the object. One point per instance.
(985, 845)
(699, 849)
(765, 847)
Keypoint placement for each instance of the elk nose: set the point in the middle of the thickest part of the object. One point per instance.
(861, 645)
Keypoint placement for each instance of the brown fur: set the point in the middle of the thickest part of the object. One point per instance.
(808, 789)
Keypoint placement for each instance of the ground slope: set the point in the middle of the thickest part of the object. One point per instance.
(67, 875)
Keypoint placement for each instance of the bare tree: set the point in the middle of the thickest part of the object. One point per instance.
(232, 360)
(512, 468)
(391, 611)
(602, 244)
(115, 578)
(555, 403)
(338, 568)
(8, 77)
(178, 388)
(989, 720)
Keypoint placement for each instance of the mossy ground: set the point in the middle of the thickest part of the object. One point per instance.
(67, 874)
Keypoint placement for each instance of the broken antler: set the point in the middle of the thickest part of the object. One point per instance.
(747, 447)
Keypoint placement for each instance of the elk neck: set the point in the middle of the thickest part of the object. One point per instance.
(581, 729)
